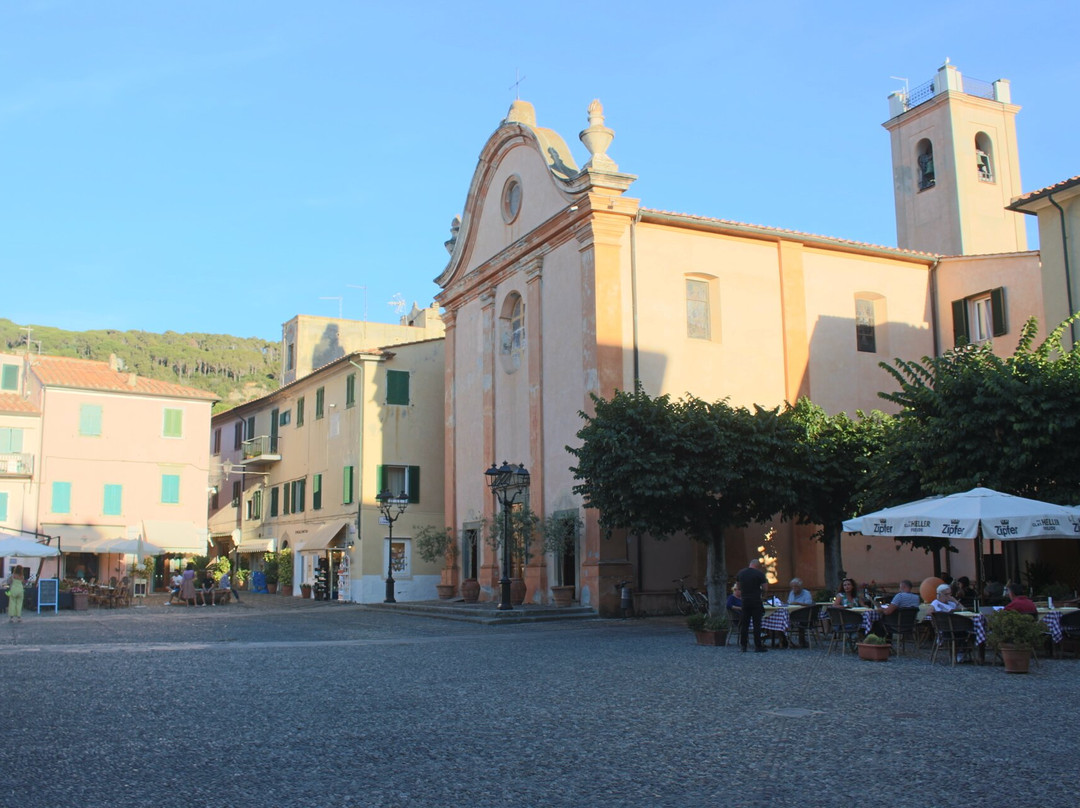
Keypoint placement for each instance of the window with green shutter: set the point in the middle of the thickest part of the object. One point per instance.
(397, 387)
(3, 506)
(300, 411)
(298, 495)
(399, 480)
(347, 485)
(274, 501)
(11, 440)
(350, 390)
(174, 423)
(61, 497)
(316, 492)
(170, 489)
(114, 495)
(320, 399)
(286, 501)
(90, 420)
(10, 378)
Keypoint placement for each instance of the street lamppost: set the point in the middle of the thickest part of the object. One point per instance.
(391, 507)
(507, 483)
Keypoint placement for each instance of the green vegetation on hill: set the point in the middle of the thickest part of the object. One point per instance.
(235, 369)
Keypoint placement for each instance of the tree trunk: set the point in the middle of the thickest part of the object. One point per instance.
(834, 564)
(716, 573)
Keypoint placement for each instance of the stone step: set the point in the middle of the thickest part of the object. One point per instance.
(486, 613)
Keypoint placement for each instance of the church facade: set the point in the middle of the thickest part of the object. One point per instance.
(561, 285)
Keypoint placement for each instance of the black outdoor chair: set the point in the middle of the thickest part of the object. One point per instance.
(954, 631)
(844, 626)
(735, 620)
(802, 624)
(900, 626)
(1070, 630)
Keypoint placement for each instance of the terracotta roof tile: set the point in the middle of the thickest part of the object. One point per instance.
(1049, 189)
(88, 374)
(14, 403)
(794, 233)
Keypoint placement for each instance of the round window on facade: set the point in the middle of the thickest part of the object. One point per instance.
(511, 199)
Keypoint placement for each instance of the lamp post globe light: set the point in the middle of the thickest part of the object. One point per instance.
(507, 483)
(391, 507)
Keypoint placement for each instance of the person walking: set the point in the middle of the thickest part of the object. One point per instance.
(753, 583)
(15, 594)
(187, 585)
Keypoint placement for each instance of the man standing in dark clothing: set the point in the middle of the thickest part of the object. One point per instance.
(752, 582)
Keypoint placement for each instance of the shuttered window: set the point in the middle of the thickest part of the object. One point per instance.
(170, 489)
(347, 485)
(61, 497)
(397, 387)
(174, 423)
(399, 480)
(316, 492)
(90, 420)
(10, 378)
(114, 496)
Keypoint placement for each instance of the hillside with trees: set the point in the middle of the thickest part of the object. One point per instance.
(234, 368)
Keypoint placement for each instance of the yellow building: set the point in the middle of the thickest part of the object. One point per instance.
(561, 285)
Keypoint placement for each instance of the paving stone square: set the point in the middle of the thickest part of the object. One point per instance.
(282, 702)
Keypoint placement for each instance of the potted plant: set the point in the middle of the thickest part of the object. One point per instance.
(1015, 635)
(559, 533)
(874, 648)
(80, 596)
(272, 570)
(522, 524)
(305, 590)
(709, 629)
(435, 543)
(285, 571)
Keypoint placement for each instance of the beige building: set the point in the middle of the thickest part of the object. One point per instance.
(300, 469)
(561, 285)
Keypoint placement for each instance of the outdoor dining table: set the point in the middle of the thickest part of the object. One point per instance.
(778, 618)
(1052, 618)
(977, 620)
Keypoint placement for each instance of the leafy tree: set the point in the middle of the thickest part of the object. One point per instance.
(976, 419)
(651, 465)
(833, 457)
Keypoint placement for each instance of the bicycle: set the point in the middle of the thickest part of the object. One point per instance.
(689, 601)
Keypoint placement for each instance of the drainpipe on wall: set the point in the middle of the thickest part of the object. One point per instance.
(933, 306)
(1065, 255)
(633, 300)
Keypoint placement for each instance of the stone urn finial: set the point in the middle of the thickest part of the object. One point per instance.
(597, 138)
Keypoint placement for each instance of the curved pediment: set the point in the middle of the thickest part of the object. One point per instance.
(524, 176)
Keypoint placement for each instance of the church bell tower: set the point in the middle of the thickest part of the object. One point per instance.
(956, 166)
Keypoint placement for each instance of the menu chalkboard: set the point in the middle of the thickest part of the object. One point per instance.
(48, 593)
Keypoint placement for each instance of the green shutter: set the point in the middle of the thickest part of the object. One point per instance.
(170, 489)
(174, 423)
(90, 420)
(997, 306)
(397, 387)
(413, 482)
(286, 491)
(380, 486)
(274, 501)
(320, 400)
(10, 379)
(300, 411)
(11, 440)
(3, 506)
(350, 390)
(114, 495)
(347, 485)
(299, 497)
(960, 331)
(61, 497)
(316, 492)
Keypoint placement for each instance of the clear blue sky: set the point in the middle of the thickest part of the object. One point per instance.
(221, 165)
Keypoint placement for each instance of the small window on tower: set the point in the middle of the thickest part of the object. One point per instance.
(984, 157)
(925, 158)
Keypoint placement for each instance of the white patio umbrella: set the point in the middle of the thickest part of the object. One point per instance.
(974, 514)
(136, 547)
(24, 548)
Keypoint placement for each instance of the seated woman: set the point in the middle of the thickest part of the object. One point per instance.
(848, 596)
(945, 601)
(963, 592)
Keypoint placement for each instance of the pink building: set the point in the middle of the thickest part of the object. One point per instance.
(89, 452)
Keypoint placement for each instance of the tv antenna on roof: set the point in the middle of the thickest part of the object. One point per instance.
(397, 303)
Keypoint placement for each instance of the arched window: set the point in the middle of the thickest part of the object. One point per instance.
(512, 327)
(984, 157)
(924, 153)
(869, 313)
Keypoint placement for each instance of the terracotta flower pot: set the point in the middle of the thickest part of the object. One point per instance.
(1016, 659)
(712, 637)
(470, 590)
(286, 590)
(517, 591)
(305, 591)
(271, 589)
(873, 653)
(446, 591)
(80, 601)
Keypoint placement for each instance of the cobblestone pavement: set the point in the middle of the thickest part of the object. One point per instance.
(284, 702)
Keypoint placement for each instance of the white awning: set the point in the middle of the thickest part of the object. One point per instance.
(75, 538)
(174, 537)
(255, 546)
(331, 534)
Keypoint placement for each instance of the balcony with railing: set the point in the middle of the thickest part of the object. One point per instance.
(261, 450)
(16, 464)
